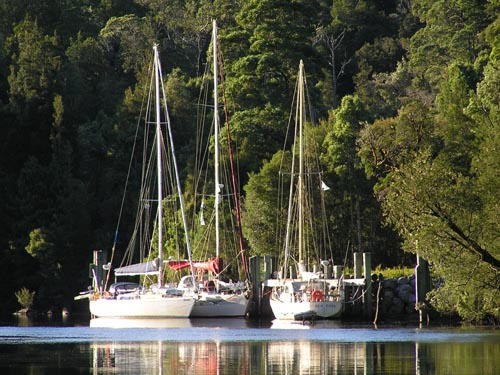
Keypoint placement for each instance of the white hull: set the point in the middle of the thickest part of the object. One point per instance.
(300, 299)
(211, 305)
(144, 306)
(290, 310)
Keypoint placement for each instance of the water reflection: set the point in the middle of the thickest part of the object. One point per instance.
(139, 323)
(298, 357)
(171, 358)
(238, 346)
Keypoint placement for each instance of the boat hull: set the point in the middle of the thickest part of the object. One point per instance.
(296, 310)
(211, 305)
(154, 306)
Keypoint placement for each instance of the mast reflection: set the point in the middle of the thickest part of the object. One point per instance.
(216, 358)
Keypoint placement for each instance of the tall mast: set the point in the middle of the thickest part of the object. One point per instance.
(301, 158)
(296, 137)
(216, 136)
(177, 179)
(234, 184)
(158, 165)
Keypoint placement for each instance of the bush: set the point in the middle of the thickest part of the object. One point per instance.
(25, 298)
(393, 273)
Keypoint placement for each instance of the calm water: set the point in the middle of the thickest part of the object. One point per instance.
(234, 346)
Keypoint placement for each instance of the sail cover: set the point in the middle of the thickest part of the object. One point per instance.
(213, 265)
(145, 268)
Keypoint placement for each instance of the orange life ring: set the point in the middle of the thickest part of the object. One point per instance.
(317, 295)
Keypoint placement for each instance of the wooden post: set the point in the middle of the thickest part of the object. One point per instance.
(99, 274)
(329, 271)
(357, 265)
(367, 270)
(337, 272)
(422, 287)
(256, 285)
(268, 267)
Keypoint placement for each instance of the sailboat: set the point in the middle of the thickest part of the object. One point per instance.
(149, 299)
(219, 298)
(299, 293)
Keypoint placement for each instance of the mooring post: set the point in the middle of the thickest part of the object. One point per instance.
(329, 271)
(357, 266)
(256, 284)
(98, 272)
(422, 287)
(268, 267)
(337, 272)
(367, 270)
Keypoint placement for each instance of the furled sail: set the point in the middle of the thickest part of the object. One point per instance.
(213, 265)
(145, 268)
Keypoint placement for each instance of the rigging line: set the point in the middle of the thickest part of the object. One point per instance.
(233, 176)
(277, 218)
(181, 200)
(325, 225)
(202, 147)
(145, 182)
(313, 245)
(143, 195)
(200, 139)
(346, 253)
(292, 171)
(290, 119)
(171, 204)
(115, 240)
(281, 197)
(308, 99)
(326, 232)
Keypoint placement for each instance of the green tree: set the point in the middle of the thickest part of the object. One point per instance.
(259, 84)
(351, 189)
(35, 66)
(439, 195)
(357, 22)
(261, 213)
(437, 211)
(374, 59)
(451, 33)
(388, 143)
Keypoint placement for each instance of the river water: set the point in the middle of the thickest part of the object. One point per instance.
(237, 346)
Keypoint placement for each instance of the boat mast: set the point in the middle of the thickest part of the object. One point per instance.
(301, 158)
(158, 165)
(234, 184)
(296, 136)
(174, 163)
(216, 136)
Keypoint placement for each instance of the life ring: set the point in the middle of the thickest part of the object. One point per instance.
(317, 295)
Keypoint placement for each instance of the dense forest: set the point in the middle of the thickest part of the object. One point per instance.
(406, 100)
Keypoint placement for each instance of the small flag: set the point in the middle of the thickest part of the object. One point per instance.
(202, 218)
(324, 186)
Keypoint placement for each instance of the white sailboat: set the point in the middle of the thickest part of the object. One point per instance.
(299, 293)
(218, 298)
(150, 300)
